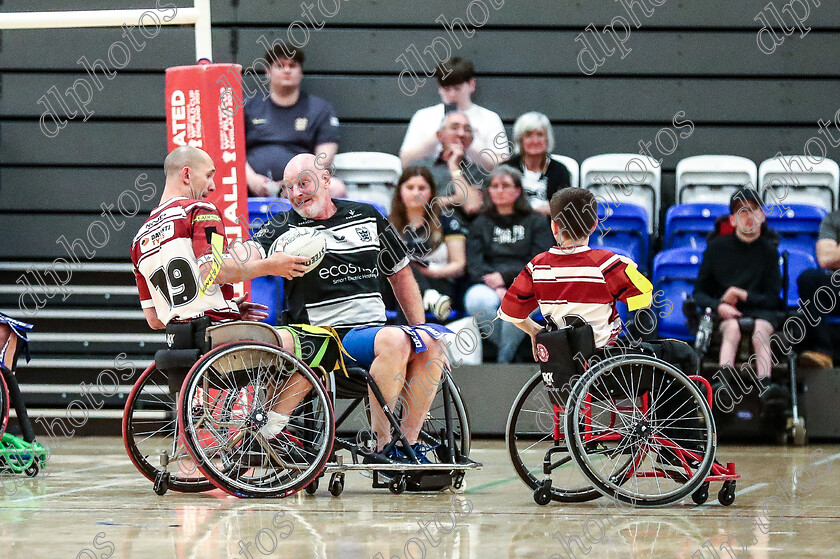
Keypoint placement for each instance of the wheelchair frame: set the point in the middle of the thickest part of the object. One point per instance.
(570, 431)
(398, 477)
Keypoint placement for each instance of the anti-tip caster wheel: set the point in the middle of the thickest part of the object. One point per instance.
(457, 481)
(397, 484)
(162, 483)
(32, 470)
(542, 494)
(336, 484)
(726, 496)
(312, 487)
(798, 434)
(701, 495)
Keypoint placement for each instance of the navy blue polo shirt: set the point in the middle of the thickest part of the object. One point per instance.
(275, 134)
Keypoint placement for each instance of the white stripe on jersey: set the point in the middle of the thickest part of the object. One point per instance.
(355, 310)
(568, 274)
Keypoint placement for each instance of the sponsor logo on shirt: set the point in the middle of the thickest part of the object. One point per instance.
(333, 121)
(339, 238)
(344, 272)
(300, 123)
(153, 240)
(351, 213)
(364, 234)
(258, 121)
(508, 236)
(206, 217)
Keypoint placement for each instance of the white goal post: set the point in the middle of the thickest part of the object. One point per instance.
(199, 16)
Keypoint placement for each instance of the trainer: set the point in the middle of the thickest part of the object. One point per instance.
(344, 292)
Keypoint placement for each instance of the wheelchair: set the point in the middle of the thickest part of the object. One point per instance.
(17, 454)
(210, 403)
(626, 424)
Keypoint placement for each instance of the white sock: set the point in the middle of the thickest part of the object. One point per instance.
(276, 423)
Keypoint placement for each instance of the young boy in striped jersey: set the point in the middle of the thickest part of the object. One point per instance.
(573, 280)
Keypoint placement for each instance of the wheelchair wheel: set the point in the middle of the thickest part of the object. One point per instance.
(447, 407)
(537, 446)
(149, 426)
(640, 430)
(224, 403)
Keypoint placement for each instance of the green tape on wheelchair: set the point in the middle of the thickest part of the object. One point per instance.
(17, 455)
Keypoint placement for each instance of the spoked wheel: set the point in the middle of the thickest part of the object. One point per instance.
(4, 405)
(539, 452)
(225, 402)
(149, 431)
(447, 413)
(640, 430)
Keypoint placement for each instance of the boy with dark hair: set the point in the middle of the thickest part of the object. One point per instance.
(456, 79)
(573, 280)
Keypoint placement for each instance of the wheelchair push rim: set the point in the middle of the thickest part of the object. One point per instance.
(615, 413)
(221, 398)
(149, 428)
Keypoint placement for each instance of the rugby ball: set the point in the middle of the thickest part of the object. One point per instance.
(302, 241)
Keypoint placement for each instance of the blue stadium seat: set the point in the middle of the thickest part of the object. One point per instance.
(261, 210)
(626, 227)
(798, 262)
(798, 226)
(269, 292)
(686, 225)
(674, 272)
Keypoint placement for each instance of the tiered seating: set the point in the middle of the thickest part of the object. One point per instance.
(623, 231)
(798, 262)
(674, 272)
(712, 178)
(797, 225)
(793, 179)
(619, 178)
(687, 225)
(369, 175)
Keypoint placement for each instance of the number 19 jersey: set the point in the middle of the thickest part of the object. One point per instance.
(167, 252)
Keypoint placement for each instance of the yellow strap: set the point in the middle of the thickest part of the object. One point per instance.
(641, 283)
(329, 331)
(217, 244)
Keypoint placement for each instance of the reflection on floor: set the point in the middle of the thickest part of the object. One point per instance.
(93, 504)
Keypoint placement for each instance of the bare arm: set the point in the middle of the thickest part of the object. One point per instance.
(408, 294)
(152, 319)
(457, 260)
(828, 254)
(325, 153)
(243, 261)
(257, 183)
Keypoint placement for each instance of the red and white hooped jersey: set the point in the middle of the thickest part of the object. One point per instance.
(584, 282)
(167, 252)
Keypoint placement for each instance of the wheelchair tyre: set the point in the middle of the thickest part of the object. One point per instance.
(530, 440)
(434, 433)
(149, 427)
(222, 400)
(608, 422)
(4, 405)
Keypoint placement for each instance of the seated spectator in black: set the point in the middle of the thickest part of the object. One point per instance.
(502, 240)
(739, 277)
(819, 354)
(288, 122)
(436, 243)
(458, 177)
(542, 176)
(457, 84)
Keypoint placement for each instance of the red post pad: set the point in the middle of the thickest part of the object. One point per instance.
(202, 111)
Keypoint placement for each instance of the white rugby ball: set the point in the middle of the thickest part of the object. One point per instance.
(302, 241)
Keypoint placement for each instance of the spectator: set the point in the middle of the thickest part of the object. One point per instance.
(739, 277)
(453, 167)
(542, 176)
(501, 242)
(809, 282)
(289, 122)
(456, 89)
(436, 243)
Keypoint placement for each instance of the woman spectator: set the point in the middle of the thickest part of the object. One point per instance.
(435, 242)
(542, 176)
(502, 240)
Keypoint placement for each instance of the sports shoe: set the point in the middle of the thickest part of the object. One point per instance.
(437, 304)
(289, 448)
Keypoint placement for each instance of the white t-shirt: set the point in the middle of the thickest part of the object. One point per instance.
(534, 187)
(485, 123)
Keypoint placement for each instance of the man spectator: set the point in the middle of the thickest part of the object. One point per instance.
(286, 123)
(810, 281)
(344, 292)
(457, 84)
(459, 179)
(739, 277)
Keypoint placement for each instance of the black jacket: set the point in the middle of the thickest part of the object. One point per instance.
(505, 243)
(556, 175)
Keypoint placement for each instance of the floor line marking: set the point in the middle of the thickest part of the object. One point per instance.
(751, 488)
(827, 459)
(34, 497)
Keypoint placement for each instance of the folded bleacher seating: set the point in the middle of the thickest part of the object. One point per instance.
(794, 179)
(712, 178)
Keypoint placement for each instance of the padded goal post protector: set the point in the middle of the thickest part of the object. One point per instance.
(203, 110)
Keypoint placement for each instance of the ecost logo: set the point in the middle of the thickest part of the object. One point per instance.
(346, 270)
(153, 240)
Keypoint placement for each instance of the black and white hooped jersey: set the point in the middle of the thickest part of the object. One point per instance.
(344, 290)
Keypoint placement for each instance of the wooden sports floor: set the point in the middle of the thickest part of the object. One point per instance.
(93, 504)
